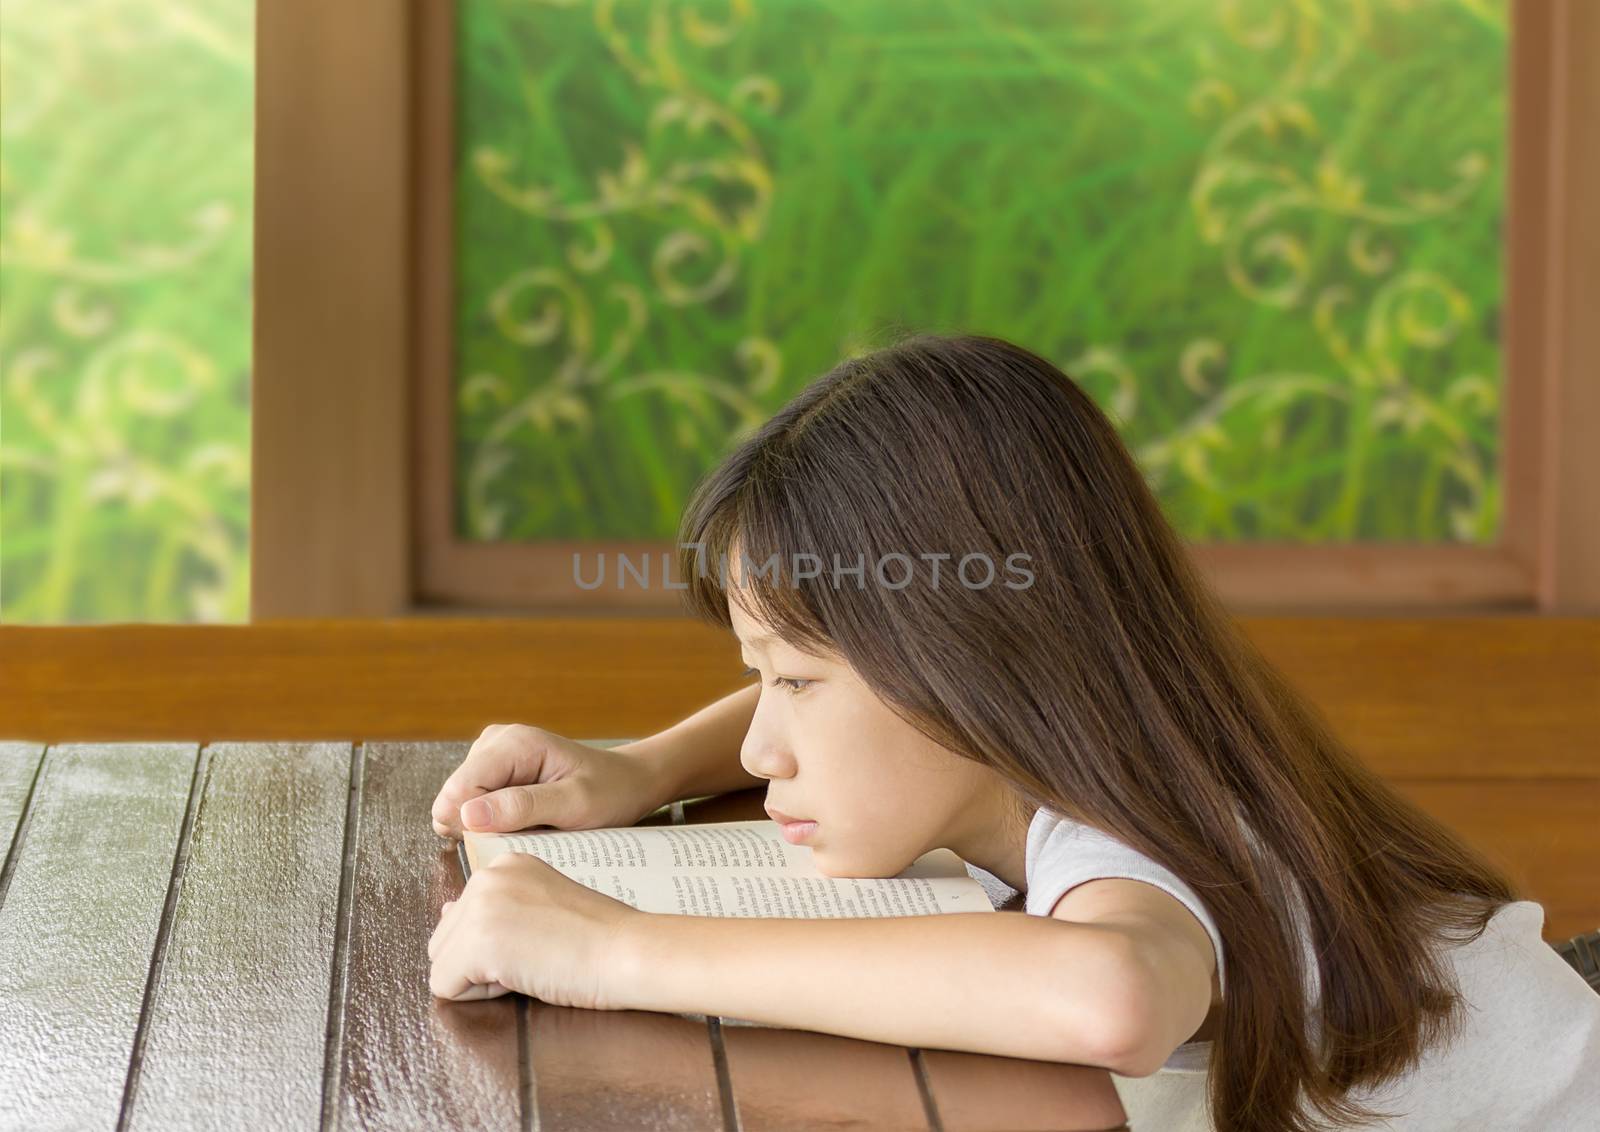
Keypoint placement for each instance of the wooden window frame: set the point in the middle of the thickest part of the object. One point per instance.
(352, 405)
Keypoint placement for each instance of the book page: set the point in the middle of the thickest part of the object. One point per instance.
(740, 868)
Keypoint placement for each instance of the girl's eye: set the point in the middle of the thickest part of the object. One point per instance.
(793, 685)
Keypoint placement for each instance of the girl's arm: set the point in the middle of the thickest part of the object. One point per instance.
(699, 756)
(1121, 991)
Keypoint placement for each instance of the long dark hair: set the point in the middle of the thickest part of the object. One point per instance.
(1113, 688)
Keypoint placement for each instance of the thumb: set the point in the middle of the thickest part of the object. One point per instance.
(513, 808)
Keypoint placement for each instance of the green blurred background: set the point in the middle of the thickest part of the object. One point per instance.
(125, 213)
(1265, 236)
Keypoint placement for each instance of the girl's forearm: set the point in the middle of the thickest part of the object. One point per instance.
(699, 756)
(1002, 983)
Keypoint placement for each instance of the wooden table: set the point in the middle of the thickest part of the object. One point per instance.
(235, 935)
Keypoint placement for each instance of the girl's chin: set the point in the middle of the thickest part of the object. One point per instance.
(843, 866)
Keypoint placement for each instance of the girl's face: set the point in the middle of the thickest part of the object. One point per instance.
(881, 792)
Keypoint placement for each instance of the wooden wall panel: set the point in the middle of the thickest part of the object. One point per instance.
(1481, 697)
(330, 517)
(1544, 833)
(1448, 697)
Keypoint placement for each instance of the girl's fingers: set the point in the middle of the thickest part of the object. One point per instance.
(481, 990)
(449, 954)
(485, 768)
(442, 928)
(445, 975)
(449, 976)
(445, 979)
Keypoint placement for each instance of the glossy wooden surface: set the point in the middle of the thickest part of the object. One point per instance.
(80, 925)
(408, 1060)
(19, 762)
(848, 1083)
(235, 935)
(620, 1069)
(975, 1094)
(236, 1019)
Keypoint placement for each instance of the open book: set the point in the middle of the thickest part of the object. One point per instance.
(732, 868)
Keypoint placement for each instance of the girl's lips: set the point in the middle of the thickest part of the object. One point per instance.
(796, 832)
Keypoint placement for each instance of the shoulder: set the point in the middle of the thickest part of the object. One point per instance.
(1510, 973)
(1528, 1039)
(1063, 854)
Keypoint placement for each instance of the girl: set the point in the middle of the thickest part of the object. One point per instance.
(975, 629)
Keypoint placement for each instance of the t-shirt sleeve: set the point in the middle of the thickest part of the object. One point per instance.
(1063, 854)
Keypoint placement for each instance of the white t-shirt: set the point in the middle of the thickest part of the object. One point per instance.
(1527, 1057)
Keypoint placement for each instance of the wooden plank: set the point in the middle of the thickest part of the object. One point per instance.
(80, 925)
(974, 1092)
(1569, 546)
(594, 1069)
(409, 1060)
(534, 578)
(237, 1023)
(739, 805)
(1543, 833)
(330, 519)
(1446, 697)
(1533, 251)
(19, 763)
(371, 679)
(1450, 697)
(1563, 925)
(1353, 579)
(799, 1079)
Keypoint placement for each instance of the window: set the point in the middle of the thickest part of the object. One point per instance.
(125, 253)
(1266, 237)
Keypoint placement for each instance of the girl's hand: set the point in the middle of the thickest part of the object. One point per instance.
(521, 925)
(516, 776)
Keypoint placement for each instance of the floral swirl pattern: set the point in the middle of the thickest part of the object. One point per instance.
(1264, 236)
(695, 257)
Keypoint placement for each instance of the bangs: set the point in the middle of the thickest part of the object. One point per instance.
(740, 544)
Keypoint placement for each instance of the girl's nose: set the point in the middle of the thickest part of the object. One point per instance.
(765, 758)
